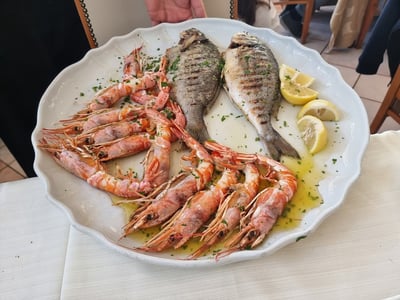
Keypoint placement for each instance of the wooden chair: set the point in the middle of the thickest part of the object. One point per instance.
(307, 15)
(390, 106)
(85, 20)
(309, 4)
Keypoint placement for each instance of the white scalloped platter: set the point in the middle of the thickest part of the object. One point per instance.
(91, 210)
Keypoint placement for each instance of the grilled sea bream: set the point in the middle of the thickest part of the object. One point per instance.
(194, 73)
(251, 79)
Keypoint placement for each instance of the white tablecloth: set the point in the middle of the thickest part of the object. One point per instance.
(354, 254)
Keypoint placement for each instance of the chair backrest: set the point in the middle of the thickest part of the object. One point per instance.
(390, 106)
(103, 19)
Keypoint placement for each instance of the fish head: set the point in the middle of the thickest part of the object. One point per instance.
(243, 39)
(190, 36)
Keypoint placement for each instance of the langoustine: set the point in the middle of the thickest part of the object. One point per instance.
(195, 213)
(157, 161)
(112, 131)
(102, 133)
(89, 122)
(266, 206)
(134, 80)
(84, 164)
(179, 190)
(230, 212)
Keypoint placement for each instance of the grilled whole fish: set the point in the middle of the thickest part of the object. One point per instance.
(251, 79)
(194, 73)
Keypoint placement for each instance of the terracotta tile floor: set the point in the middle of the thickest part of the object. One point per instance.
(9, 168)
(370, 88)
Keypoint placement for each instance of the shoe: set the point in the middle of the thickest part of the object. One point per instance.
(290, 24)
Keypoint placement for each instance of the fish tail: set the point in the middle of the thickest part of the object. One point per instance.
(278, 146)
(198, 130)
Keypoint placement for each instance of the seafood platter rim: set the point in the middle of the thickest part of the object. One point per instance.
(90, 210)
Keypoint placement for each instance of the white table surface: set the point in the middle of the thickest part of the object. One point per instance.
(354, 254)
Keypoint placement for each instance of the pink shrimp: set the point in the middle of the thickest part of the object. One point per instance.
(75, 163)
(156, 165)
(141, 141)
(195, 213)
(279, 174)
(112, 131)
(85, 167)
(126, 186)
(112, 94)
(267, 206)
(230, 211)
(107, 116)
(175, 113)
(122, 147)
(148, 99)
(179, 189)
(134, 80)
(155, 98)
(133, 64)
(78, 162)
(157, 161)
(86, 122)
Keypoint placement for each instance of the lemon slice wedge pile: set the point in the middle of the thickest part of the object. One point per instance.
(295, 88)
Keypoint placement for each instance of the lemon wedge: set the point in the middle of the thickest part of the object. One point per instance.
(313, 132)
(303, 79)
(297, 94)
(322, 109)
(287, 73)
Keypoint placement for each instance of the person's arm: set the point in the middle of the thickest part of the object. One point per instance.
(198, 9)
(156, 11)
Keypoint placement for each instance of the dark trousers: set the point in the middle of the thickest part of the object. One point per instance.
(385, 35)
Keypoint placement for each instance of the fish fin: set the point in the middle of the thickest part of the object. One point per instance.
(211, 103)
(278, 146)
(276, 106)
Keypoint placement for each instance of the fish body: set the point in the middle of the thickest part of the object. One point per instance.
(194, 74)
(251, 79)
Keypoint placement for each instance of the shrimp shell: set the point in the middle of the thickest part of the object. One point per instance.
(230, 211)
(193, 215)
(179, 190)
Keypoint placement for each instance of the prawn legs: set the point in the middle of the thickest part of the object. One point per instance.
(179, 189)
